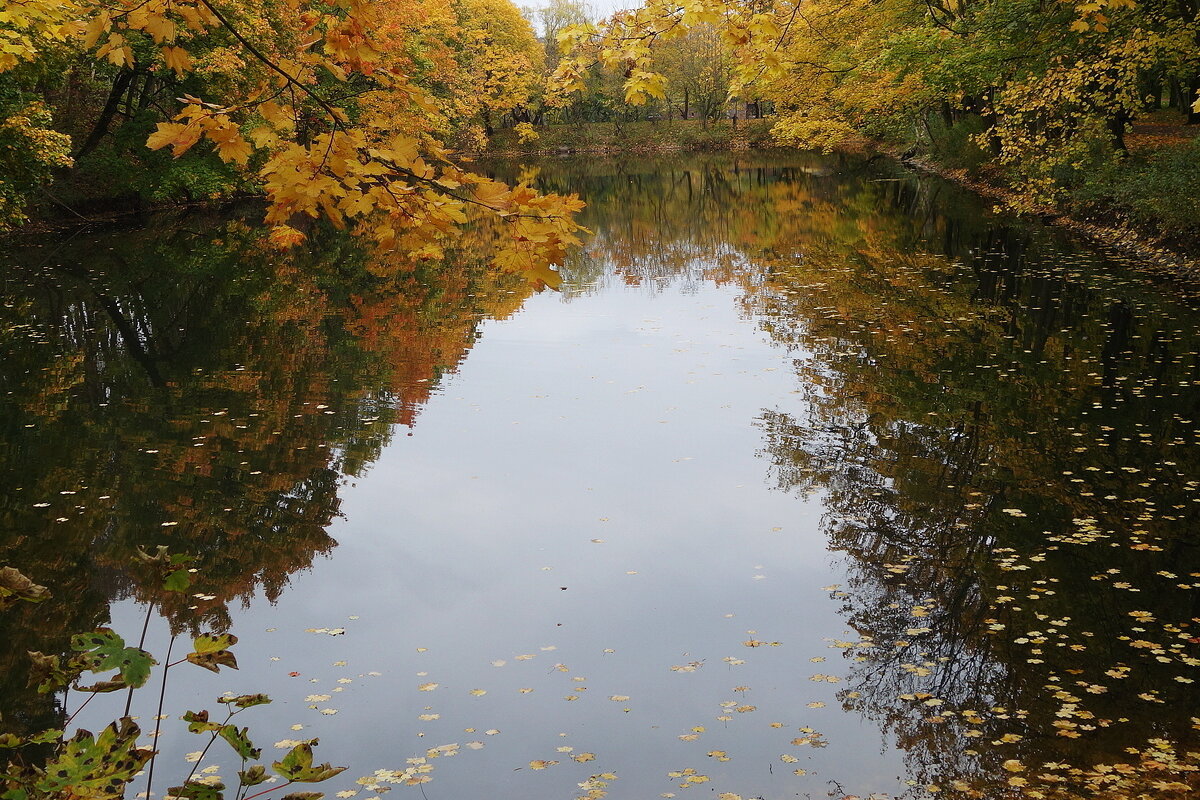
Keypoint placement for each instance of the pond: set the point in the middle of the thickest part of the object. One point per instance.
(813, 477)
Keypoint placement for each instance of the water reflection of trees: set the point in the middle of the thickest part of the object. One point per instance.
(1002, 428)
(954, 372)
(181, 385)
(680, 221)
(1006, 449)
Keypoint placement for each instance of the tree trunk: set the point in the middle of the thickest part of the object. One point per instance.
(1116, 129)
(991, 119)
(1174, 93)
(147, 91)
(119, 87)
(1153, 86)
(947, 115)
(685, 102)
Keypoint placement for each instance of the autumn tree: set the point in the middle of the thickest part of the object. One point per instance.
(555, 17)
(1046, 90)
(502, 63)
(283, 94)
(698, 72)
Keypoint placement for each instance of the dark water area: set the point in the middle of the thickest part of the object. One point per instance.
(815, 477)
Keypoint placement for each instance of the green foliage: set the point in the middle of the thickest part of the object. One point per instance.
(957, 145)
(1158, 191)
(103, 649)
(211, 652)
(30, 152)
(95, 766)
(102, 767)
(194, 790)
(239, 740)
(176, 577)
(253, 776)
(123, 165)
(297, 766)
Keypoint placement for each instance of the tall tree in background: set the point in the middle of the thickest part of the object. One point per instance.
(699, 73)
(502, 61)
(1045, 89)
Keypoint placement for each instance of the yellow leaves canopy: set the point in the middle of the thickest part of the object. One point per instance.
(387, 175)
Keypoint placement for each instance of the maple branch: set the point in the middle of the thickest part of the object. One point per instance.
(254, 51)
(440, 189)
(787, 28)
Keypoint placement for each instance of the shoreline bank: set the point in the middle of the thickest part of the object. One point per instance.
(1120, 237)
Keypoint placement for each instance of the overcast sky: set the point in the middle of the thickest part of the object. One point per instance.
(602, 8)
(599, 8)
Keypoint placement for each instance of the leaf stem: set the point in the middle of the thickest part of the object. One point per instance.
(204, 752)
(81, 708)
(267, 791)
(141, 646)
(162, 693)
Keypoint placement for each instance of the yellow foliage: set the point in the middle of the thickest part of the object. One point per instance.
(388, 176)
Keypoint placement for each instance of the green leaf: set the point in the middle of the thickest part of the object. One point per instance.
(211, 642)
(253, 776)
(303, 796)
(15, 587)
(10, 740)
(15, 794)
(198, 791)
(177, 580)
(198, 722)
(210, 651)
(297, 766)
(240, 741)
(46, 736)
(246, 700)
(103, 650)
(101, 640)
(135, 665)
(95, 767)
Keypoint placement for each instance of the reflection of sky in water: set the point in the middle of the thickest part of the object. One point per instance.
(942, 412)
(623, 415)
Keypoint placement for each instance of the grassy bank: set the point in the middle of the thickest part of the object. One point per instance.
(1148, 197)
(625, 137)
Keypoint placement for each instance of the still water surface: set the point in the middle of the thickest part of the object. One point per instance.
(813, 477)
